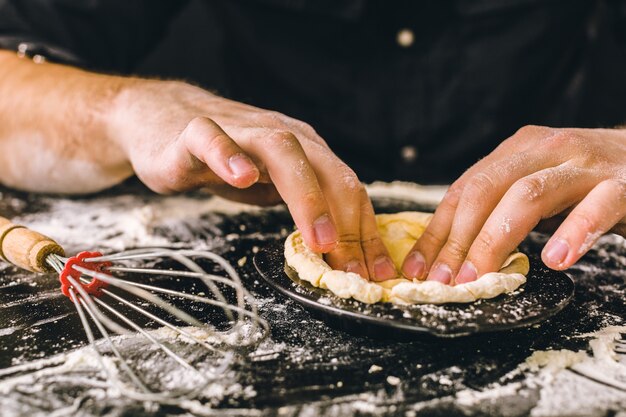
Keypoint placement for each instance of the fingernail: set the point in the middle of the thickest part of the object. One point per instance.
(556, 251)
(355, 266)
(384, 268)
(467, 273)
(325, 232)
(241, 165)
(414, 265)
(442, 273)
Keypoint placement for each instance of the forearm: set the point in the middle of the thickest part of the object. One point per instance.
(53, 128)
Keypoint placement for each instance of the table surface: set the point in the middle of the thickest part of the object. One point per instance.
(306, 367)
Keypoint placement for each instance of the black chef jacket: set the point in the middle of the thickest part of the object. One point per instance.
(401, 89)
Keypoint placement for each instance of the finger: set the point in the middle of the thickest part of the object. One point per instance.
(421, 258)
(377, 258)
(595, 215)
(416, 263)
(481, 194)
(343, 192)
(297, 184)
(551, 191)
(207, 142)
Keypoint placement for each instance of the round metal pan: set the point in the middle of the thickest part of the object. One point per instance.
(545, 293)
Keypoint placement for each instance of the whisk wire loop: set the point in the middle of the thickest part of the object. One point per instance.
(109, 319)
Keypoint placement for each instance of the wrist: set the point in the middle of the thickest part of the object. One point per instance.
(118, 98)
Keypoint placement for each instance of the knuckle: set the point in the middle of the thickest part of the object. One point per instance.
(452, 197)
(585, 221)
(276, 119)
(456, 248)
(220, 142)
(560, 138)
(480, 186)
(300, 125)
(616, 185)
(267, 117)
(530, 130)
(196, 125)
(485, 244)
(430, 239)
(311, 198)
(350, 182)
(371, 243)
(526, 129)
(282, 139)
(349, 239)
(529, 188)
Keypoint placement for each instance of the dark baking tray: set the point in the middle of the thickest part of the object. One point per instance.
(545, 293)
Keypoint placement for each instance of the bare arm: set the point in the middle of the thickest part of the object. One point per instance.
(53, 128)
(67, 130)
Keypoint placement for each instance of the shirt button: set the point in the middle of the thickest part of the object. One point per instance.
(405, 38)
(408, 153)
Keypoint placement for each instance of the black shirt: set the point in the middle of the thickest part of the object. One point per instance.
(400, 89)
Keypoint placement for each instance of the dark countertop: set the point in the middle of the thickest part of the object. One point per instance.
(307, 368)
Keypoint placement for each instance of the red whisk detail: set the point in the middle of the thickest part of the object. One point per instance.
(94, 287)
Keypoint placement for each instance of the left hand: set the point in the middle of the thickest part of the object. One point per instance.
(539, 175)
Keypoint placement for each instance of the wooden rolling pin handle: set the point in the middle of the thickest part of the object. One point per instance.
(25, 248)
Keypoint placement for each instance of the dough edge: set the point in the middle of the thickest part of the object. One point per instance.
(312, 268)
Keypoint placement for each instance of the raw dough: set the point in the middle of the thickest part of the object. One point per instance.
(399, 232)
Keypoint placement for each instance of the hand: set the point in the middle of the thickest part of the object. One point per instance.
(179, 137)
(540, 174)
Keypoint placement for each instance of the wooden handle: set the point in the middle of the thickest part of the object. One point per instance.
(25, 248)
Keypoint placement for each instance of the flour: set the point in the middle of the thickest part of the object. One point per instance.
(393, 380)
(116, 223)
(82, 370)
(556, 376)
(589, 241)
(505, 226)
(74, 385)
(555, 360)
(374, 368)
(567, 392)
(121, 222)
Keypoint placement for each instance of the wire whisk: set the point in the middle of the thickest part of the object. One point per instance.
(203, 319)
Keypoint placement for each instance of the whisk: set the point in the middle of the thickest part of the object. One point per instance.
(99, 298)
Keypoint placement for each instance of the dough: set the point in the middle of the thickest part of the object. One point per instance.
(399, 232)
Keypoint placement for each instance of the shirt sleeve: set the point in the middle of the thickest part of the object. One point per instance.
(99, 34)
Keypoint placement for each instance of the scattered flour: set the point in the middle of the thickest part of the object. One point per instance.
(589, 241)
(82, 369)
(375, 368)
(554, 360)
(505, 227)
(566, 382)
(393, 380)
(121, 222)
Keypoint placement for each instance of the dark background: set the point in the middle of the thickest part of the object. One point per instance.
(189, 49)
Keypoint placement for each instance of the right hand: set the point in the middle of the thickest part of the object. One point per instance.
(179, 137)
